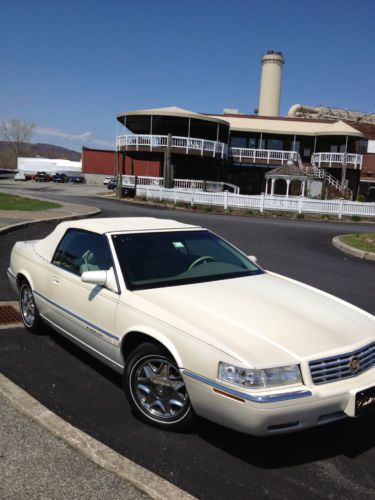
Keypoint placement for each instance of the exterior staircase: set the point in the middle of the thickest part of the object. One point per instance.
(333, 185)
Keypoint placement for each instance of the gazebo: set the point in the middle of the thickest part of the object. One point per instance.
(289, 172)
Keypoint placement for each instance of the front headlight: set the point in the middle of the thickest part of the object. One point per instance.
(260, 379)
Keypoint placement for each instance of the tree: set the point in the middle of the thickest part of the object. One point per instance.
(17, 136)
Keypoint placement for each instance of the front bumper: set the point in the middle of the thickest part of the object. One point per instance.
(274, 413)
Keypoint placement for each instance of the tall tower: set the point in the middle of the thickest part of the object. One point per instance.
(270, 83)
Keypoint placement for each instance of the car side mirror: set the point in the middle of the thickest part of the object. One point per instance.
(102, 278)
(253, 258)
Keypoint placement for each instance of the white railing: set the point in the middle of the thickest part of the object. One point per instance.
(337, 159)
(186, 144)
(320, 173)
(185, 184)
(226, 200)
(270, 155)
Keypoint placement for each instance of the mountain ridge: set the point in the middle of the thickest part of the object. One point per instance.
(45, 150)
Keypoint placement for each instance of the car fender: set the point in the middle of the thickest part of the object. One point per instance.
(25, 274)
(156, 335)
(189, 352)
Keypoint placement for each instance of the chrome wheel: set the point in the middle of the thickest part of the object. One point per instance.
(29, 310)
(27, 305)
(158, 389)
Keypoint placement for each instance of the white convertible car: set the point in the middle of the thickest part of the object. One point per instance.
(196, 327)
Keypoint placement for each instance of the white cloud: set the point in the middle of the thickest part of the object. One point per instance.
(87, 137)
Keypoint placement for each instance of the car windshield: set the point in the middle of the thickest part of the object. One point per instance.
(160, 259)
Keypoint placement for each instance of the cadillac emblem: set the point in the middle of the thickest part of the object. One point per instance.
(354, 365)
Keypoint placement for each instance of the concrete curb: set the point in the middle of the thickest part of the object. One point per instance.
(95, 451)
(337, 243)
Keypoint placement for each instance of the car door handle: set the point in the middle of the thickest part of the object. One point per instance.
(56, 280)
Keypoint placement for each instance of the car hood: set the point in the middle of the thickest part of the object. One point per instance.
(263, 317)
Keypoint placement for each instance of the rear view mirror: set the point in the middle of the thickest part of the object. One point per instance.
(253, 258)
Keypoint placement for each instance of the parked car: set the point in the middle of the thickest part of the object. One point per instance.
(112, 184)
(196, 327)
(20, 176)
(42, 177)
(128, 189)
(60, 178)
(107, 180)
(77, 179)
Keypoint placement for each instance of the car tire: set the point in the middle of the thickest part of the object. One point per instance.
(28, 309)
(156, 390)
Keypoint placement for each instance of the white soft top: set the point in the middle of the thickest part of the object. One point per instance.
(47, 246)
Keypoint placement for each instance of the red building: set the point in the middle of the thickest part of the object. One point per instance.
(99, 163)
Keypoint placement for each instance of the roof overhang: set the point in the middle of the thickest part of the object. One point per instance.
(291, 127)
(171, 111)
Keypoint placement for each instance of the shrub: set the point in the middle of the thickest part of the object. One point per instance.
(300, 216)
(325, 216)
(182, 204)
(248, 212)
(361, 198)
(355, 218)
(207, 208)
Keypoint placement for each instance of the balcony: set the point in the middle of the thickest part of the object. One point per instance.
(184, 145)
(336, 160)
(264, 156)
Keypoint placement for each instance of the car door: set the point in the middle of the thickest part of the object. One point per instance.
(81, 310)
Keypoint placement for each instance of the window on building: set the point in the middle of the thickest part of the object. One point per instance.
(238, 142)
(276, 144)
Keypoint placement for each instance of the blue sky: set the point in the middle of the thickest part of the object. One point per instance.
(70, 67)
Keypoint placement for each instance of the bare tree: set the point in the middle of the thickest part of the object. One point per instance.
(17, 136)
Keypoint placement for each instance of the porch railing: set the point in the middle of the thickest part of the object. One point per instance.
(183, 184)
(270, 155)
(185, 144)
(337, 159)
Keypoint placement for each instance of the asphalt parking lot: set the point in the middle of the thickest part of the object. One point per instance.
(210, 462)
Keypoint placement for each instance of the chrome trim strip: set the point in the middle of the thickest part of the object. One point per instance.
(272, 398)
(76, 316)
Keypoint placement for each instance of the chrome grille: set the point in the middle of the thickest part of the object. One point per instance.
(336, 368)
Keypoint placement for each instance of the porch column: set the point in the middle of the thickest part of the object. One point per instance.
(303, 187)
(188, 137)
(151, 134)
(266, 186)
(287, 187)
(273, 186)
(344, 163)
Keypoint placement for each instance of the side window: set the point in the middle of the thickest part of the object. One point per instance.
(81, 251)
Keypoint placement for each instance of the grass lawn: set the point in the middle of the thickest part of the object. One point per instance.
(11, 202)
(363, 241)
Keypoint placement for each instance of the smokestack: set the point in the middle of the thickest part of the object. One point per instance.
(270, 83)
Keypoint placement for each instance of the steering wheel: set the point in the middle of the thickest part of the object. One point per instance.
(200, 260)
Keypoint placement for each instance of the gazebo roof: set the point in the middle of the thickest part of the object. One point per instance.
(289, 170)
